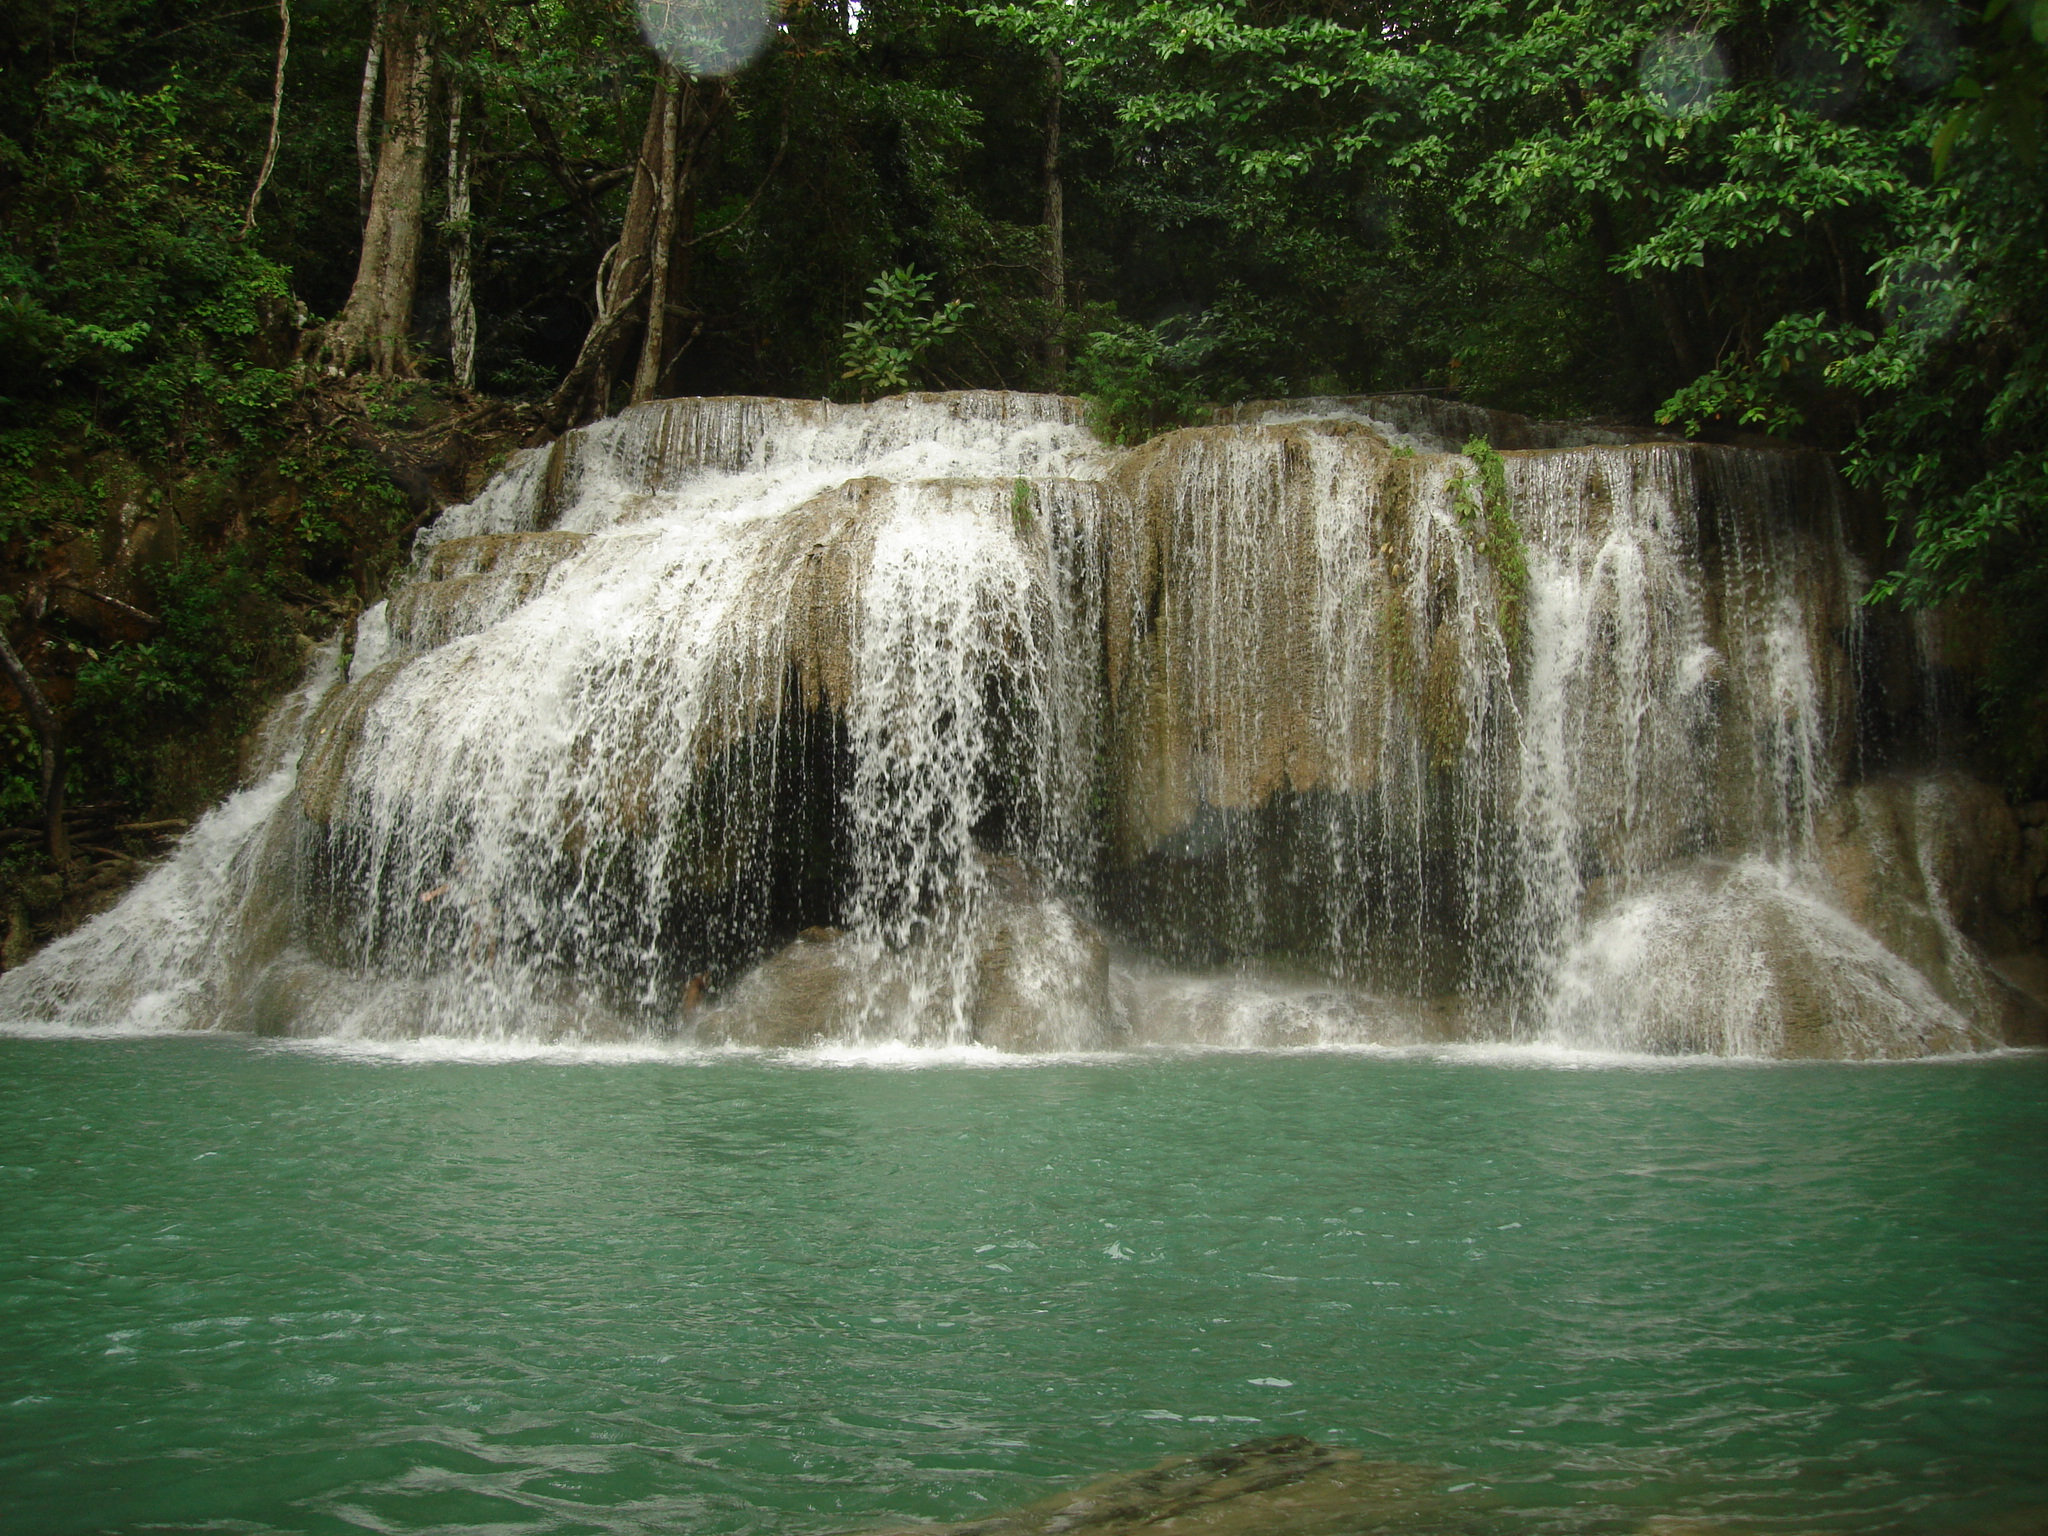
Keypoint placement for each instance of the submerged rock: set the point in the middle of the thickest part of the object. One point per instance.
(1289, 1486)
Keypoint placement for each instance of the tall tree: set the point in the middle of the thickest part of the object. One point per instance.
(461, 282)
(1055, 224)
(675, 93)
(375, 326)
(622, 276)
(638, 285)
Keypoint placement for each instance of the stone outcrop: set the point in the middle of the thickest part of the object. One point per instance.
(1939, 869)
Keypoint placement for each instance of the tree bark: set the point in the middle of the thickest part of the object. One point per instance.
(366, 113)
(377, 319)
(622, 284)
(1055, 229)
(51, 735)
(662, 239)
(461, 289)
(654, 241)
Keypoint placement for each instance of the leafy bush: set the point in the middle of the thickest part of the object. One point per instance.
(1137, 382)
(223, 633)
(122, 278)
(880, 353)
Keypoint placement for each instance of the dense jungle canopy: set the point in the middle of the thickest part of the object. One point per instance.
(255, 256)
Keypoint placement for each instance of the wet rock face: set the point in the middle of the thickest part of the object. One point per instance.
(1938, 869)
(1574, 738)
(1746, 959)
(1030, 975)
(1403, 709)
(1439, 425)
(1289, 1486)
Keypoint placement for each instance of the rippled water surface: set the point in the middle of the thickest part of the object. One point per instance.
(253, 1289)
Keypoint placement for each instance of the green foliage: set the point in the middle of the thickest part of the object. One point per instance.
(223, 631)
(128, 306)
(1944, 374)
(1137, 382)
(1491, 520)
(1023, 507)
(21, 772)
(881, 351)
(2008, 94)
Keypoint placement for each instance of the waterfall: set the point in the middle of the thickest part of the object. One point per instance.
(937, 721)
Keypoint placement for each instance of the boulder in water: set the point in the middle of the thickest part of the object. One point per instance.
(1042, 972)
(1036, 979)
(1288, 1486)
(1745, 959)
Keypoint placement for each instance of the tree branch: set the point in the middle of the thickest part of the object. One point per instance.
(284, 45)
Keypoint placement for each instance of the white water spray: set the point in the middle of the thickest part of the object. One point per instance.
(785, 724)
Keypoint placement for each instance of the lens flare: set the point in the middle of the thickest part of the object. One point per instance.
(1681, 72)
(1926, 60)
(1924, 295)
(707, 37)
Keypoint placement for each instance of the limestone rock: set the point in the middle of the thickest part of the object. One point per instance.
(1747, 959)
(806, 993)
(1030, 976)
(1042, 972)
(332, 737)
(1935, 867)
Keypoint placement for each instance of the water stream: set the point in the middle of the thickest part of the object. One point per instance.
(815, 967)
(463, 1286)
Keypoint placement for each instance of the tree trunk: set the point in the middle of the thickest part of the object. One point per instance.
(654, 241)
(461, 292)
(1632, 350)
(586, 391)
(51, 735)
(366, 113)
(662, 239)
(378, 317)
(1055, 230)
(1676, 331)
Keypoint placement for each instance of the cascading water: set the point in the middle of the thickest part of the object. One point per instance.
(936, 721)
